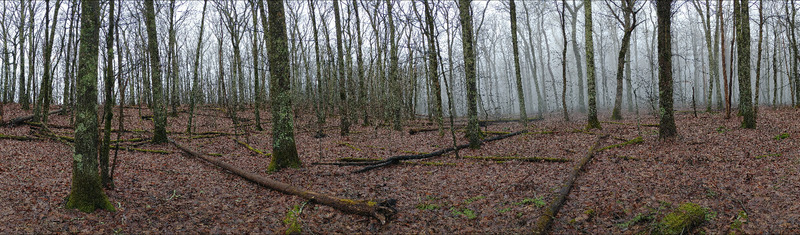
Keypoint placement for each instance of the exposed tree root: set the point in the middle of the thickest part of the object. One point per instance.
(397, 159)
(550, 212)
(382, 211)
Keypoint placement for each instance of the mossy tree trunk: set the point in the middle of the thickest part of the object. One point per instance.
(758, 57)
(666, 128)
(173, 62)
(628, 22)
(743, 50)
(343, 108)
(473, 131)
(159, 109)
(521, 95)
(195, 67)
(433, 65)
(23, 94)
(590, 74)
(284, 151)
(108, 114)
(394, 73)
(86, 193)
(562, 17)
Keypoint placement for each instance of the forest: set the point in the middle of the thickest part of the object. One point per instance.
(400, 116)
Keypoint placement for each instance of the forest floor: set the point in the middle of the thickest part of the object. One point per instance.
(713, 163)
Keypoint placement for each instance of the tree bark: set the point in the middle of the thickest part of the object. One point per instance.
(666, 129)
(108, 114)
(564, 63)
(196, 66)
(517, 73)
(343, 108)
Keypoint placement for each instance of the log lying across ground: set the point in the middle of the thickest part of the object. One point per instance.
(397, 159)
(546, 220)
(19, 120)
(382, 211)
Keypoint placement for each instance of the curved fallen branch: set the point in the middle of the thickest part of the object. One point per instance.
(397, 159)
(550, 212)
(382, 211)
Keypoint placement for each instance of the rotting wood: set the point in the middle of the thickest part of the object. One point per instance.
(550, 212)
(251, 148)
(382, 211)
(20, 120)
(397, 159)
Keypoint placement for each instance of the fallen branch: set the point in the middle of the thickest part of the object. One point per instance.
(396, 159)
(524, 159)
(550, 212)
(251, 148)
(382, 211)
(20, 120)
(491, 122)
(141, 150)
(630, 124)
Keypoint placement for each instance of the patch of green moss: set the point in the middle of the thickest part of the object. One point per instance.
(537, 201)
(722, 129)
(349, 146)
(466, 212)
(768, 155)
(782, 136)
(292, 220)
(740, 220)
(683, 219)
(473, 199)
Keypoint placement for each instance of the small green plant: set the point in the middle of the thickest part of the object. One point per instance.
(292, 219)
(722, 129)
(782, 136)
(468, 213)
(538, 202)
(504, 210)
(428, 206)
(740, 220)
(684, 219)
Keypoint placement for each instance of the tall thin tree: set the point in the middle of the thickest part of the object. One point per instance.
(474, 133)
(159, 109)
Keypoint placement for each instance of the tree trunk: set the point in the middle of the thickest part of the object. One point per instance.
(257, 85)
(196, 66)
(590, 73)
(743, 49)
(284, 152)
(473, 131)
(518, 74)
(433, 65)
(724, 70)
(159, 110)
(564, 63)
(23, 94)
(574, 22)
(343, 108)
(628, 25)
(666, 128)
(108, 84)
(86, 193)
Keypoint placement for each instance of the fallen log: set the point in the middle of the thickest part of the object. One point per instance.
(550, 212)
(397, 159)
(14, 137)
(19, 120)
(251, 148)
(482, 123)
(382, 211)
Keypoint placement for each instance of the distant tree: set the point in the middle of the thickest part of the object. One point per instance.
(284, 151)
(23, 94)
(562, 16)
(159, 109)
(628, 22)
(474, 133)
(257, 85)
(666, 128)
(195, 67)
(87, 194)
(108, 114)
(573, 11)
(394, 76)
(590, 74)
